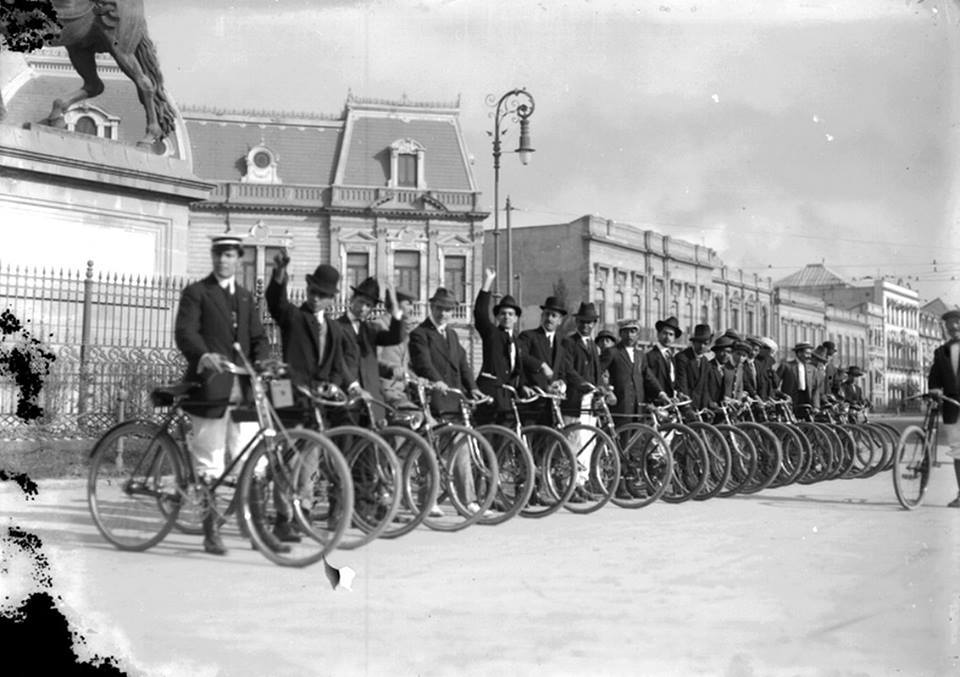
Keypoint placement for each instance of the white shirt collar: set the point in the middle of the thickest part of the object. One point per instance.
(440, 329)
(228, 283)
(664, 350)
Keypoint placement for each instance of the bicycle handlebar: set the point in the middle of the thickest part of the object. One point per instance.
(940, 397)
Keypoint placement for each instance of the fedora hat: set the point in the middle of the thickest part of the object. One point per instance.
(444, 298)
(672, 323)
(369, 289)
(702, 333)
(325, 279)
(820, 354)
(742, 347)
(733, 334)
(555, 304)
(401, 297)
(227, 241)
(854, 371)
(507, 302)
(587, 312)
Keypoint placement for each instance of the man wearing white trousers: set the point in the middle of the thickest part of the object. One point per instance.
(215, 313)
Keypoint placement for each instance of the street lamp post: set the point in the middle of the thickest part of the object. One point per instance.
(519, 104)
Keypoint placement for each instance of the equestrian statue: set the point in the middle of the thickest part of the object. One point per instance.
(120, 28)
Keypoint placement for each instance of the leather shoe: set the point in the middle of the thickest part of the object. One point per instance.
(285, 532)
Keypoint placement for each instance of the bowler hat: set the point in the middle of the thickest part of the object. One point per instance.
(325, 279)
(671, 323)
(444, 298)
(829, 345)
(951, 315)
(587, 312)
(369, 289)
(227, 241)
(628, 324)
(854, 371)
(606, 334)
(702, 333)
(555, 304)
(507, 302)
(723, 342)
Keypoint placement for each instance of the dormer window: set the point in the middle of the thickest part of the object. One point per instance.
(406, 164)
(89, 119)
(261, 166)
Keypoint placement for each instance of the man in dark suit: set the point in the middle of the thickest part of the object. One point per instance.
(631, 379)
(501, 352)
(944, 378)
(691, 365)
(766, 363)
(718, 377)
(660, 356)
(583, 366)
(545, 360)
(316, 351)
(368, 335)
(213, 314)
(436, 355)
(850, 391)
(798, 377)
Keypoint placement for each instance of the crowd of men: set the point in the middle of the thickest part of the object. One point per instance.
(377, 359)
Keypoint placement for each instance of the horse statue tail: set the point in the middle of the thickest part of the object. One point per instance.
(146, 55)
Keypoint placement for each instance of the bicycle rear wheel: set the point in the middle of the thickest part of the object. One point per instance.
(421, 479)
(598, 468)
(516, 473)
(468, 475)
(555, 470)
(691, 463)
(769, 457)
(135, 485)
(743, 458)
(646, 466)
(377, 483)
(795, 450)
(301, 472)
(720, 458)
(911, 467)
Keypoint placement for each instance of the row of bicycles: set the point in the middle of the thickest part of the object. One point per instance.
(341, 486)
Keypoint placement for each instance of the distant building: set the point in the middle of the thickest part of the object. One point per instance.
(629, 271)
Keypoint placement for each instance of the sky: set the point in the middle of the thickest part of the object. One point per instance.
(777, 132)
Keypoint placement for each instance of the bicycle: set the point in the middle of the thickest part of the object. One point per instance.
(142, 473)
(916, 452)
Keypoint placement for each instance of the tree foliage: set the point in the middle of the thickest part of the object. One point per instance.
(26, 25)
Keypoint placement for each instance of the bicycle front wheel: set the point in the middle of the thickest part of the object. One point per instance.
(135, 485)
(516, 473)
(468, 478)
(300, 477)
(911, 467)
(598, 467)
(646, 466)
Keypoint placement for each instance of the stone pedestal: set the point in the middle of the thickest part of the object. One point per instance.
(67, 198)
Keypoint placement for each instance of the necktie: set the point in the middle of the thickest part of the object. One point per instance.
(321, 338)
(668, 354)
(511, 351)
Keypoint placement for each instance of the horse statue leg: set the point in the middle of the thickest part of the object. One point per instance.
(84, 62)
(146, 90)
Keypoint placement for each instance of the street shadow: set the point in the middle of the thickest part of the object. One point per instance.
(782, 501)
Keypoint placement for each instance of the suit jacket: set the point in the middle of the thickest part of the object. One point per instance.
(789, 383)
(632, 381)
(660, 367)
(299, 332)
(942, 376)
(691, 374)
(369, 337)
(850, 392)
(717, 383)
(440, 357)
(204, 324)
(767, 380)
(583, 369)
(495, 369)
(535, 349)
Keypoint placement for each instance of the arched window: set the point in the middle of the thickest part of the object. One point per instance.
(86, 125)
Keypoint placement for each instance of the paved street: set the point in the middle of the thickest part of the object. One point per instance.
(831, 579)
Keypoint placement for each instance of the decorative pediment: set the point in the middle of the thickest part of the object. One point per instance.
(357, 236)
(454, 239)
(434, 202)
